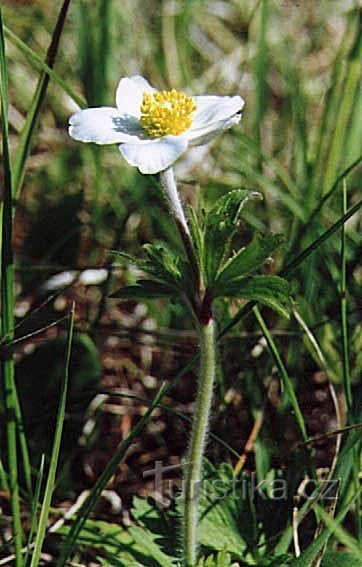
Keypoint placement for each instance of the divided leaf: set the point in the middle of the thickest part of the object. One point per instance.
(196, 232)
(225, 516)
(170, 274)
(129, 547)
(221, 224)
(272, 291)
(143, 265)
(167, 262)
(248, 259)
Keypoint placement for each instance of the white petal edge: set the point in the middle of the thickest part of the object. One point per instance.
(103, 125)
(129, 94)
(155, 156)
(204, 135)
(215, 108)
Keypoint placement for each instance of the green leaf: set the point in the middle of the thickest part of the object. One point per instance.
(220, 227)
(163, 265)
(341, 559)
(272, 291)
(153, 518)
(24, 143)
(146, 542)
(144, 289)
(165, 260)
(226, 521)
(132, 547)
(143, 265)
(248, 259)
(222, 559)
(196, 234)
(38, 62)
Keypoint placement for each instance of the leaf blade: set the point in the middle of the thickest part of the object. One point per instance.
(272, 291)
(251, 257)
(220, 226)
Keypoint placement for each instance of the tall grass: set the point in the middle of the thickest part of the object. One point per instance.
(7, 312)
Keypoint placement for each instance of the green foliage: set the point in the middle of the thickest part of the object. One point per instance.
(222, 559)
(123, 547)
(272, 291)
(226, 277)
(250, 258)
(170, 274)
(226, 516)
(221, 224)
(228, 530)
(341, 559)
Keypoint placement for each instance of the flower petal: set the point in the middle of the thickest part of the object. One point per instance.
(104, 125)
(215, 108)
(204, 135)
(129, 94)
(155, 156)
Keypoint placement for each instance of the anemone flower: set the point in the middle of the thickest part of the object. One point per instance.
(154, 128)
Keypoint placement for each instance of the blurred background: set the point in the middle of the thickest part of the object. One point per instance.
(297, 65)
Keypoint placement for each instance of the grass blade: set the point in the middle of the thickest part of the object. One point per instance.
(330, 109)
(23, 149)
(293, 265)
(7, 302)
(286, 381)
(345, 361)
(343, 295)
(341, 534)
(35, 503)
(261, 67)
(307, 557)
(102, 481)
(55, 450)
(329, 194)
(343, 115)
(38, 62)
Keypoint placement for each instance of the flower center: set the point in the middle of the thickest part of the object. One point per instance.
(166, 112)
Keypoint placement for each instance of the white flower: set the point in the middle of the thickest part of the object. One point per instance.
(154, 127)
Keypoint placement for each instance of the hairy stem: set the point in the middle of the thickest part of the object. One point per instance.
(201, 417)
(206, 331)
(169, 187)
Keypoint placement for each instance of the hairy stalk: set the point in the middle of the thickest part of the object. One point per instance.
(169, 187)
(201, 417)
(206, 332)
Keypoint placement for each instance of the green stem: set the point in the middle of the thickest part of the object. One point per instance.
(345, 362)
(198, 440)
(343, 306)
(7, 307)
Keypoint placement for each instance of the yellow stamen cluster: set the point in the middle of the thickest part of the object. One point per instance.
(166, 112)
